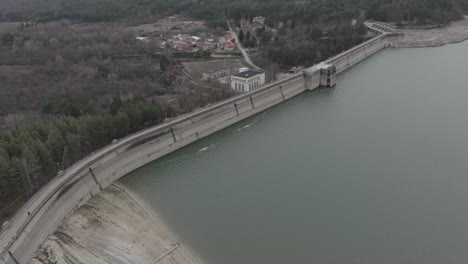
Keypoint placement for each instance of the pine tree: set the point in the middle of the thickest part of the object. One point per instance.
(247, 36)
(29, 170)
(5, 170)
(47, 166)
(119, 125)
(241, 36)
(73, 144)
(117, 103)
(55, 144)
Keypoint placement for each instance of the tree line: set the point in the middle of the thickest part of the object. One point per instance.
(216, 11)
(312, 46)
(32, 155)
(247, 39)
(341, 11)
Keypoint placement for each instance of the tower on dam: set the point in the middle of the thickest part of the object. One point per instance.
(320, 75)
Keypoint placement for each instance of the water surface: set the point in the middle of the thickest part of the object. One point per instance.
(372, 171)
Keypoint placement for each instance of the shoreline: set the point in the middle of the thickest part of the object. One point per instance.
(455, 32)
(115, 226)
(163, 226)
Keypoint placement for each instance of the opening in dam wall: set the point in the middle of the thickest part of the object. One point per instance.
(52, 204)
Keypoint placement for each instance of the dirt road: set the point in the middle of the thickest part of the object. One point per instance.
(239, 46)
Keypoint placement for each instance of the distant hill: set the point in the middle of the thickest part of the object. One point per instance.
(214, 11)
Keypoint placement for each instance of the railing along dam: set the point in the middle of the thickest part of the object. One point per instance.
(44, 212)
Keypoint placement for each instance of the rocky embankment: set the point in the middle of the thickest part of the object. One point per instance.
(114, 227)
(418, 38)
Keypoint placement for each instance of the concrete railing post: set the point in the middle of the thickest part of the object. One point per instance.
(13, 257)
(173, 135)
(251, 102)
(281, 89)
(237, 110)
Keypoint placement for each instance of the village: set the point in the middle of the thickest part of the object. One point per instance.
(222, 61)
(179, 34)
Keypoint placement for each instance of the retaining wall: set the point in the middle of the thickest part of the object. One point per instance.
(41, 216)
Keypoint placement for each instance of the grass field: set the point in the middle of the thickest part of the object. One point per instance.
(197, 68)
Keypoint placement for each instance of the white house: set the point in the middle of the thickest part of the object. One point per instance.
(247, 80)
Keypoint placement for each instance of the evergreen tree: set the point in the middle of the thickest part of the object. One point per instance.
(55, 144)
(74, 148)
(7, 39)
(165, 62)
(241, 35)
(117, 103)
(30, 170)
(5, 175)
(247, 36)
(48, 168)
(119, 125)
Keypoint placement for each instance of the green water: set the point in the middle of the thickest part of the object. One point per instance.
(372, 171)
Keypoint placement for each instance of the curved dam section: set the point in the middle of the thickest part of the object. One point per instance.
(41, 216)
(372, 171)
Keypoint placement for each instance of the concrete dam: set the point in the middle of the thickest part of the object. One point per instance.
(41, 216)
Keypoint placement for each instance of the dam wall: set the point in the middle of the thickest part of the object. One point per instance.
(353, 56)
(42, 214)
(314, 76)
(46, 210)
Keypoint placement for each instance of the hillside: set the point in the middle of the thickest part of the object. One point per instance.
(75, 61)
(306, 11)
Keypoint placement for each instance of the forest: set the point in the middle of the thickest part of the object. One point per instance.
(33, 154)
(88, 99)
(214, 11)
(318, 25)
(76, 74)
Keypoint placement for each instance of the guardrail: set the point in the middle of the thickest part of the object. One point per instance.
(353, 49)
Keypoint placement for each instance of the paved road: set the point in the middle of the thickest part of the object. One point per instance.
(32, 211)
(34, 214)
(239, 46)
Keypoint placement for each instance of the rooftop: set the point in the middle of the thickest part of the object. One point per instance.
(247, 74)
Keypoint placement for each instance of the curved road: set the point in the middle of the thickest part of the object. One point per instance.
(36, 212)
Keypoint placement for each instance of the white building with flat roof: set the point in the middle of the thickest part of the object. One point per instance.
(247, 80)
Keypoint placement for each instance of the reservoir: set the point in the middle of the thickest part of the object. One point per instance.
(374, 170)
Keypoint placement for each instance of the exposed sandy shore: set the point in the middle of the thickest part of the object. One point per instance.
(114, 227)
(417, 38)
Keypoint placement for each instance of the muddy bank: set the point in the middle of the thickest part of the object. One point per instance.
(418, 38)
(114, 227)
